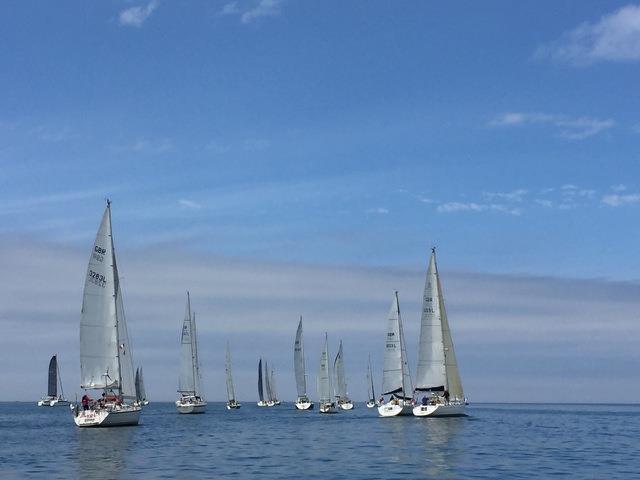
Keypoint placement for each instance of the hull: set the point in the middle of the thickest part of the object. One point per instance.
(346, 405)
(371, 404)
(117, 417)
(394, 410)
(52, 402)
(440, 410)
(327, 408)
(233, 405)
(304, 405)
(190, 407)
(262, 403)
(270, 404)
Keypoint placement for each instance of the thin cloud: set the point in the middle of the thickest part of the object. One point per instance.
(379, 210)
(145, 145)
(513, 196)
(249, 12)
(136, 16)
(570, 128)
(619, 187)
(189, 204)
(614, 38)
(617, 200)
(453, 207)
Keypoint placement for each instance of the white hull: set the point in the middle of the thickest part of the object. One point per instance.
(394, 410)
(440, 410)
(190, 407)
(52, 402)
(233, 405)
(346, 405)
(371, 404)
(115, 417)
(328, 408)
(262, 403)
(305, 405)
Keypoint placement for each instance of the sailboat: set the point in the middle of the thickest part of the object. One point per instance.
(272, 384)
(302, 402)
(141, 394)
(396, 380)
(106, 361)
(261, 402)
(438, 373)
(325, 391)
(190, 400)
(371, 394)
(231, 395)
(53, 399)
(343, 400)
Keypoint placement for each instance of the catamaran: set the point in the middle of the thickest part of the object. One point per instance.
(189, 382)
(53, 399)
(231, 395)
(325, 391)
(342, 398)
(261, 401)
(141, 394)
(396, 380)
(438, 374)
(302, 402)
(106, 361)
(371, 394)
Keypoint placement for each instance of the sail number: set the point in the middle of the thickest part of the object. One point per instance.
(97, 278)
(98, 253)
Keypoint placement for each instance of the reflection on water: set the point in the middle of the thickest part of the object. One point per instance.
(102, 452)
(438, 437)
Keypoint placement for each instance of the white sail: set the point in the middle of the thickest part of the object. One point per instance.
(431, 374)
(267, 382)
(454, 384)
(187, 381)
(231, 395)
(196, 358)
(338, 365)
(395, 377)
(298, 362)
(99, 349)
(274, 391)
(127, 375)
(324, 375)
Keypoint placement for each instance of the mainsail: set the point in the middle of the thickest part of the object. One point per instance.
(370, 391)
(437, 365)
(395, 377)
(231, 395)
(143, 392)
(260, 388)
(105, 354)
(137, 382)
(298, 362)
(338, 366)
(52, 389)
(324, 376)
(189, 381)
(267, 381)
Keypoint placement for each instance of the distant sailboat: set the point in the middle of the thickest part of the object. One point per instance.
(325, 390)
(274, 391)
(141, 394)
(302, 402)
(438, 372)
(189, 387)
(106, 361)
(343, 400)
(261, 401)
(54, 380)
(371, 394)
(231, 395)
(396, 380)
(267, 385)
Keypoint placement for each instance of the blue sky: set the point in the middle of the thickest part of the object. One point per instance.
(351, 134)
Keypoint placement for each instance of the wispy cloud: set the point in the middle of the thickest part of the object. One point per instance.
(145, 145)
(617, 200)
(452, 207)
(378, 210)
(619, 187)
(615, 38)
(253, 10)
(189, 204)
(512, 196)
(571, 128)
(28, 203)
(136, 16)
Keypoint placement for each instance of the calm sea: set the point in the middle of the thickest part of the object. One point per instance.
(495, 441)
